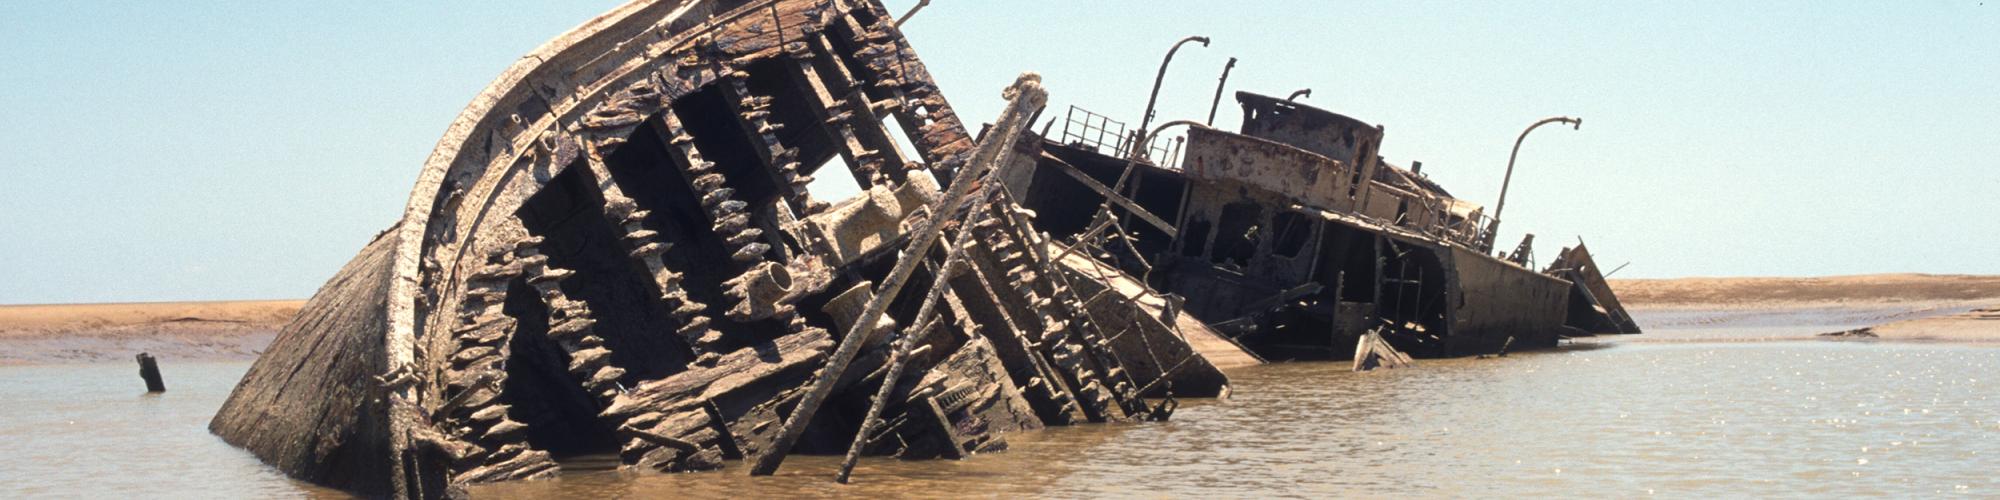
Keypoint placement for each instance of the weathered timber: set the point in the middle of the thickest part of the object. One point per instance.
(1150, 346)
(1025, 96)
(617, 249)
(963, 406)
(898, 357)
(312, 405)
(149, 370)
(1593, 308)
(662, 414)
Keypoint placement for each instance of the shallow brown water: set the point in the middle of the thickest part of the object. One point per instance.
(90, 431)
(1818, 419)
(1614, 418)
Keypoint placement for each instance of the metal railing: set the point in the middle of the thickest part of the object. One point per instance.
(1468, 232)
(1081, 127)
(1166, 155)
(1084, 128)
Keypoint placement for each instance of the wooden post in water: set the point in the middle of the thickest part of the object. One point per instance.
(149, 369)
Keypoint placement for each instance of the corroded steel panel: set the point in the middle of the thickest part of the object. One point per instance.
(1310, 178)
(1330, 134)
(1497, 299)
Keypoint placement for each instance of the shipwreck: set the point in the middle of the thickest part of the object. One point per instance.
(619, 249)
(1294, 238)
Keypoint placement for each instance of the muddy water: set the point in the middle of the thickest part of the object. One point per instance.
(1616, 418)
(90, 431)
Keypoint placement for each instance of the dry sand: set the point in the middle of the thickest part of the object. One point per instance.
(1918, 307)
(1900, 306)
(169, 330)
(1978, 325)
(1833, 290)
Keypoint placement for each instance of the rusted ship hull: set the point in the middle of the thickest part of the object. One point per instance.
(617, 248)
(1295, 239)
(1503, 304)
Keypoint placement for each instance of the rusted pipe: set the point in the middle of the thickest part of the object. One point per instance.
(913, 11)
(1217, 102)
(1296, 94)
(1615, 271)
(1146, 145)
(763, 290)
(1147, 118)
(1493, 229)
(1131, 163)
(1155, 134)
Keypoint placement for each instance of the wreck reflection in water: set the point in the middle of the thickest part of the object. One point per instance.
(1824, 418)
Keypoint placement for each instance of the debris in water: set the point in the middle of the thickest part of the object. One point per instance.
(1858, 333)
(149, 369)
(1373, 352)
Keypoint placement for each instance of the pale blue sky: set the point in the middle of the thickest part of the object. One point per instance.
(222, 150)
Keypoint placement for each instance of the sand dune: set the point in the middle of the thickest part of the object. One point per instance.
(1909, 307)
(1916, 307)
(1978, 325)
(171, 330)
(1831, 290)
(26, 318)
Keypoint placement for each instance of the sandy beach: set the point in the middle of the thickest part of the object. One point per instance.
(1903, 307)
(1977, 325)
(1807, 292)
(1911, 307)
(58, 333)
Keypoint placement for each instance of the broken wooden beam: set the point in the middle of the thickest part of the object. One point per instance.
(898, 359)
(1025, 95)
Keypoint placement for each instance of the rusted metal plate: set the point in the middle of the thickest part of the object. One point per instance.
(1310, 178)
(1575, 264)
(1329, 134)
(1497, 299)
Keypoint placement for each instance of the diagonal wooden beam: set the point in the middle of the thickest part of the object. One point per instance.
(1105, 191)
(1026, 96)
